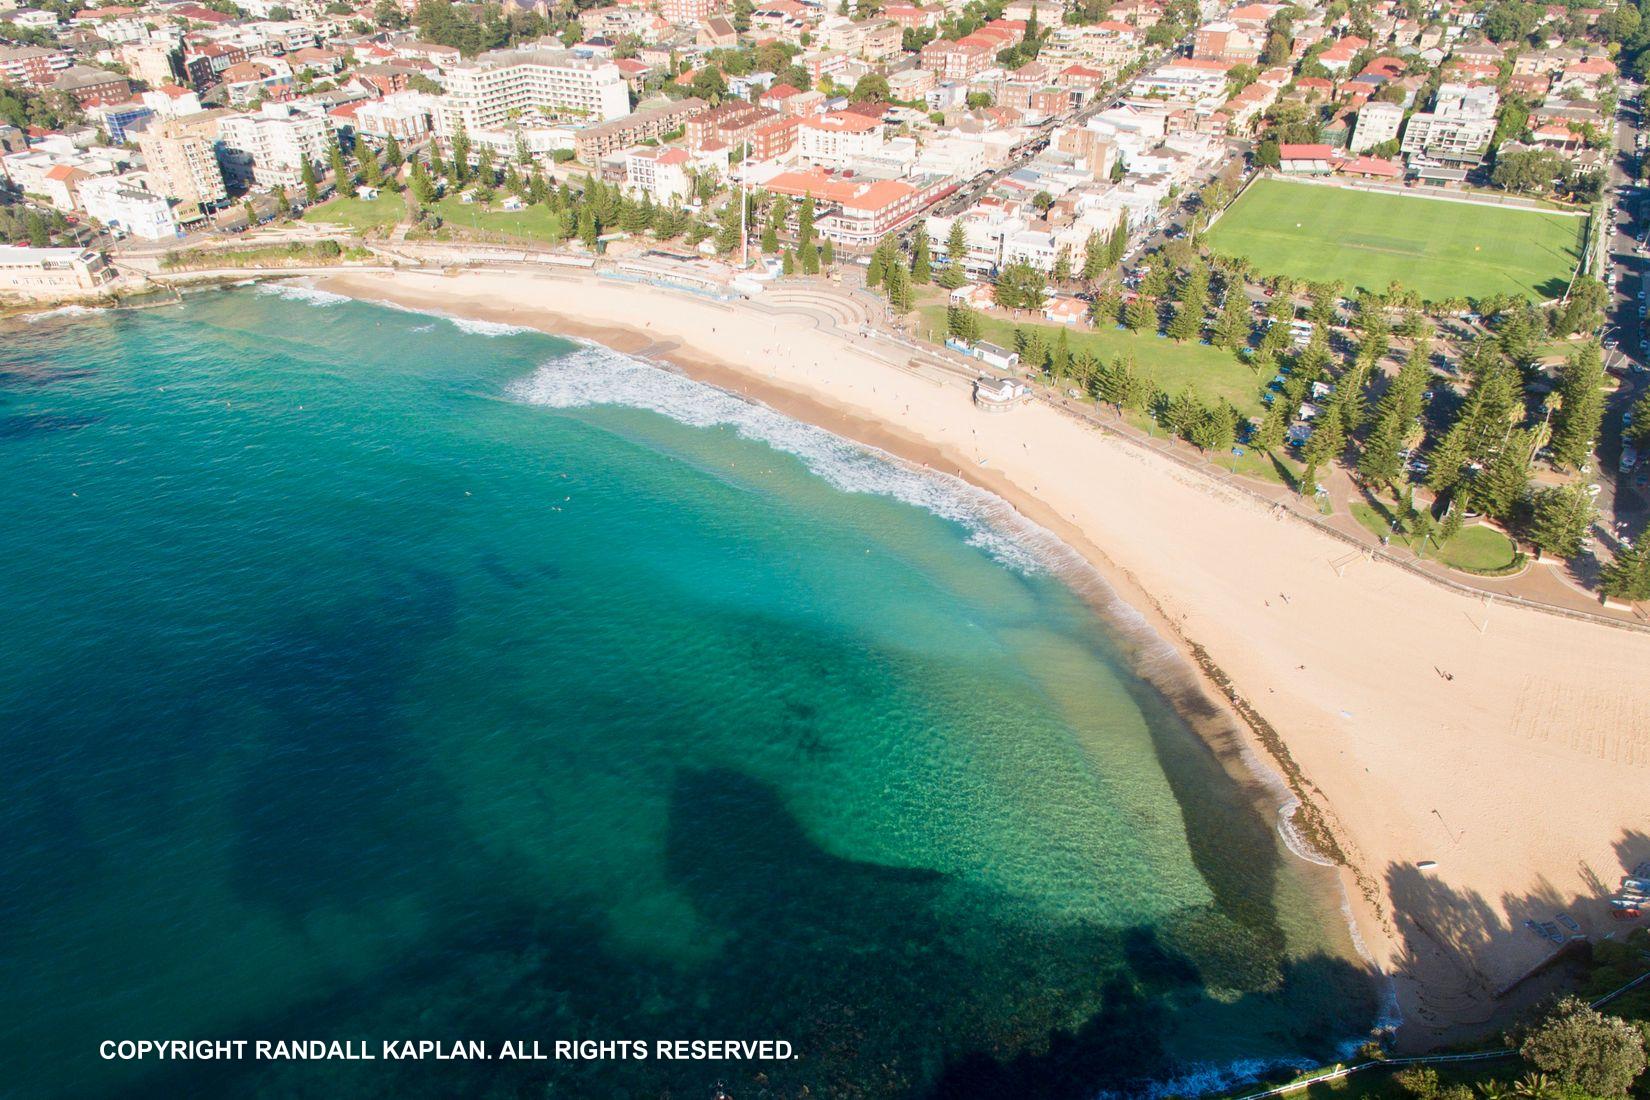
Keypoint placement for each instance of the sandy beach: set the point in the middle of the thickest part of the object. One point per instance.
(1509, 747)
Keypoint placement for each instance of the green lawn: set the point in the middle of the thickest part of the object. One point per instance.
(1478, 550)
(1439, 248)
(536, 222)
(1475, 549)
(360, 214)
(1210, 372)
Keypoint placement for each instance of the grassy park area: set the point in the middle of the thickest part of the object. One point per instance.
(1210, 372)
(1477, 548)
(360, 214)
(535, 222)
(1436, 247)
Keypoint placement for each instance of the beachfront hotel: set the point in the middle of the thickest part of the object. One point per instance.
(493, 89)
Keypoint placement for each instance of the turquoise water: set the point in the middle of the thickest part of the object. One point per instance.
(375, 677)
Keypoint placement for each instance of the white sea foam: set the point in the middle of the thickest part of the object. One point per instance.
(595, 375)
(485, 328)
(62, 312)
(297, 292)
(1292, 837)
(1208, 1078)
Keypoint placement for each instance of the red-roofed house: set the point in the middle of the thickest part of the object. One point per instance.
(1589, 73)
(200, 14)
(1387, 68)
(1337, 57)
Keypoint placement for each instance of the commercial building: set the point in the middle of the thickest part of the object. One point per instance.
(857, 213)
(47, 272)
(500, 87)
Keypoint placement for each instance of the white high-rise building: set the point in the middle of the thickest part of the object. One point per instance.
(270, 146)
(1378, 123)
(510, 85)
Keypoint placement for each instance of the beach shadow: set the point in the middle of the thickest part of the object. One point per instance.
(1448, 935)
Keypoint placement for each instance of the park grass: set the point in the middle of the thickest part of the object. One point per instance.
(1211, 373)
(535, 222)
(1479, 549)
(1273, 466)
(1436, 247)
(360, 215)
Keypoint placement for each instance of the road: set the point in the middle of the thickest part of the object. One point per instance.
(1623, 500)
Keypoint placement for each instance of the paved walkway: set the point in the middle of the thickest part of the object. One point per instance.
(1552, 587)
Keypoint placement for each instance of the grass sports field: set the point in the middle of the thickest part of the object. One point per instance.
(1439, 248)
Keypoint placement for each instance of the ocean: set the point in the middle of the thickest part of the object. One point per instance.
(374, 676)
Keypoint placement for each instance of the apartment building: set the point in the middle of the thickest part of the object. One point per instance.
(1378, 122)
(182, 159)
(497, 88)
(650, 123)
(269, 148)
(732, 124)
(1459, 127)
(1109, 46)
(406, 116)
(122, 203)
(1226, 41)
(776, 138)
(689, 12)
(154, 63)
(31, 66)
(837, 139)
(1186, 79)
(204, 64)
(956, 60)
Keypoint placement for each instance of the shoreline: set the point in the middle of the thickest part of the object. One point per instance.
(1446, 977)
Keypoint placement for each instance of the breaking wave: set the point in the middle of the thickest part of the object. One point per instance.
(63, 312)
(297, 292)
(594, 375)
(486, 328)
